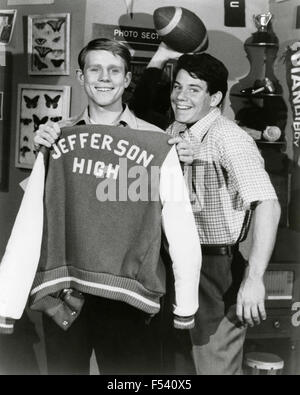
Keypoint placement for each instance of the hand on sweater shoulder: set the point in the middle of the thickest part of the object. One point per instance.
(47, 135)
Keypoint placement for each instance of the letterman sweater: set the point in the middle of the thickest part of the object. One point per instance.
(91, 233)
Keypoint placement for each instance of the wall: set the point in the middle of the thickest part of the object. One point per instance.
(10, 199)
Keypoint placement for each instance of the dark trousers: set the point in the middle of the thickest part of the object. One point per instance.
(215, 345)
(17, 356)
(121, 336)
(218, 337)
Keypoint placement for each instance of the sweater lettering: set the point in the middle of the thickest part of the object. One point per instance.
(121, 148)
(98, 169)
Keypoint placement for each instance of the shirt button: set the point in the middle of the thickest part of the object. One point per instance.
(65, 323)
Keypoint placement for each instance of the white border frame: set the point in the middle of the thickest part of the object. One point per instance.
(64, 90)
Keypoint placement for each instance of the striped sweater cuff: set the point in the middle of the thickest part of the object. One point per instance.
(6, 326)
(184, 322)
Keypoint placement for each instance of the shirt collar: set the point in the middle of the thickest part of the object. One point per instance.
(126, 118)
(200, 128)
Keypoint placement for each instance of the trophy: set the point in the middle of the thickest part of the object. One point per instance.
(262, 20)
(264, 34)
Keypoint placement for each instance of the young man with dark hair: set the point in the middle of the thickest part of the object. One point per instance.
(70, 246)
(228, 185)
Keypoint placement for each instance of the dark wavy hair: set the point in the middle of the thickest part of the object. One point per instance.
(207, 68)
(105, 44)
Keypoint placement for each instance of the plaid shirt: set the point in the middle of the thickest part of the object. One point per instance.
(226, 178)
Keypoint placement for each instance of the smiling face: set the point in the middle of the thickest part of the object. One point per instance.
(190, 98)
(104, 79)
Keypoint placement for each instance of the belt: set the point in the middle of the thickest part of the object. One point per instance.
(210, 249)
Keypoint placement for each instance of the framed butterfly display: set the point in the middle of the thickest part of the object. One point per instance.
(37, 105)
(49, 44)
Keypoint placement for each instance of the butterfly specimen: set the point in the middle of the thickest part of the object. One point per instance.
(56, 24)
(26, 121)
(43, 51)
(56, 39)
(58, 52)
(37, 121)
(26, 139)
(57, 62)
(24, 150)
(52, 102)
(38, 63)
(56, 119)
(40, 25)
(31, 102)
(40, 41)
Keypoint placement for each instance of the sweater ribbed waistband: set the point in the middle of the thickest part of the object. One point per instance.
(99, 284)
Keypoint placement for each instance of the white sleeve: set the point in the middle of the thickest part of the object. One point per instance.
(181, 232)
(20, 261)
(23, 184)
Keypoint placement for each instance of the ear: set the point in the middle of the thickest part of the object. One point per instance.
(128, 78)
(80, 76)
(215, 99)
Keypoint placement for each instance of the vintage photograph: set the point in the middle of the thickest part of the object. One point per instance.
(150, 221)
(38, 104)
(49, 44)
(7, 23)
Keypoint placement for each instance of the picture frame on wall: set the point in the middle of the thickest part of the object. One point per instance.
(7, 24)
(37, 104)
(49, 44)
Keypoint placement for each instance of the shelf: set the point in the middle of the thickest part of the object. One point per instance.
(270, 142)
(262, 45)
(259, 96)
